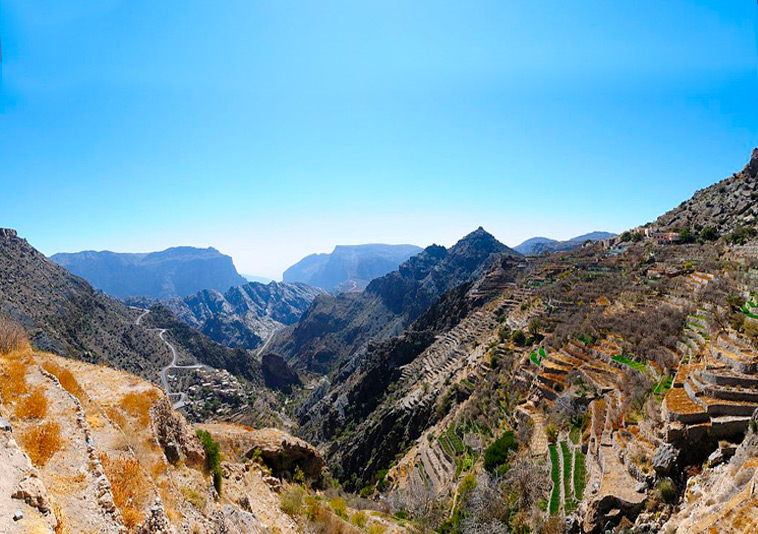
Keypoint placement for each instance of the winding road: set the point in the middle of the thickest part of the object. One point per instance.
(174, 357)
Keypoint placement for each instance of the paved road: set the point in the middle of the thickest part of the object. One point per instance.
(174, 357)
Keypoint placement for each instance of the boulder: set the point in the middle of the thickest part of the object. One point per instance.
(33, 492)
(664, 459)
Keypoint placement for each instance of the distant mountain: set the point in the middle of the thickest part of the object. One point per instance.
(254, 278)
(245, 316)
(540, 245)
(337, 328)
(174, 272)
(349, 267)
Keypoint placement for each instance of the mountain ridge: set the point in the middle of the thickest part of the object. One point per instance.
(176, 271)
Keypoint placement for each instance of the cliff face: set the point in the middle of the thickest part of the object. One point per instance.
(174, 272)
(64, 314)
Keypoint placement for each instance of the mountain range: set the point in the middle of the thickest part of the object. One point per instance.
(247, 315)
(174, 272)
(608, 387)
(349, 268)
(541, 245)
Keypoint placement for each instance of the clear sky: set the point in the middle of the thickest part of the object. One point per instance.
(274, 129)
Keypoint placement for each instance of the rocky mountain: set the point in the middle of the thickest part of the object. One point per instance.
(349, 268)
(727, 207)
(591, 390)
(174, 272)
(541, 245)
(65, 315)
(337, 329)
(247, 315)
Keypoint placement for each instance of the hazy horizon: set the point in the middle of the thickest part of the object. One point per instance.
(271, 131)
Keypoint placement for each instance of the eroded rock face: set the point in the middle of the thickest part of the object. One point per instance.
(175, 435)
(664, 459)
(282, 453)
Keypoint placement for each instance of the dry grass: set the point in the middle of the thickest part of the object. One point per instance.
(138, 404)
(115, 415)
(42, 441)
(33, 405)
(66, 378)
(129, 486)
(12, 336)
(13, 379)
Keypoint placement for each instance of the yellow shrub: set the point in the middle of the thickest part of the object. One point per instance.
(376, 529)
(12, 336)
(33, 405)
(13, 380)
(66, 378)
(339, 507)
(42, 441)
(129, 486)
(137, 404)
(359, 519)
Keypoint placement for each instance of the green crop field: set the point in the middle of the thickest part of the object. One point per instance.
(566, 453)
(555, 497)
(535, 359)
(631, 363)
(580, 474)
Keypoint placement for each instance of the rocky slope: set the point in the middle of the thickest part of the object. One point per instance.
(65, 315)
(247, 315)
(86, 448)
(349, 267)
(174, 272)
(337, 329)
(724, 207)
(541, 245)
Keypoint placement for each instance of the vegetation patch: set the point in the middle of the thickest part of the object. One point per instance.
(535, 359)
(580, 474)
(66, 379)
(129, 486)
(213, 456)
(566, 453)
(33, 405)
(664, 385)
(555, 496)
(41, 442)
(631, 363)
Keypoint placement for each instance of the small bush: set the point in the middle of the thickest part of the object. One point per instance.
(339, 507)
(138, 404)
(12, 336)
(41, 442)
(129, 487)
(667, 490)
(33, 405)
(376, 529)
(359, 519)
(518, 337)
(13, 380)
(497, 454)
(66, 379)
(291, 501)
(213, 455)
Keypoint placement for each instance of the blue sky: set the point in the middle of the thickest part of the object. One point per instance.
(271, 130)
